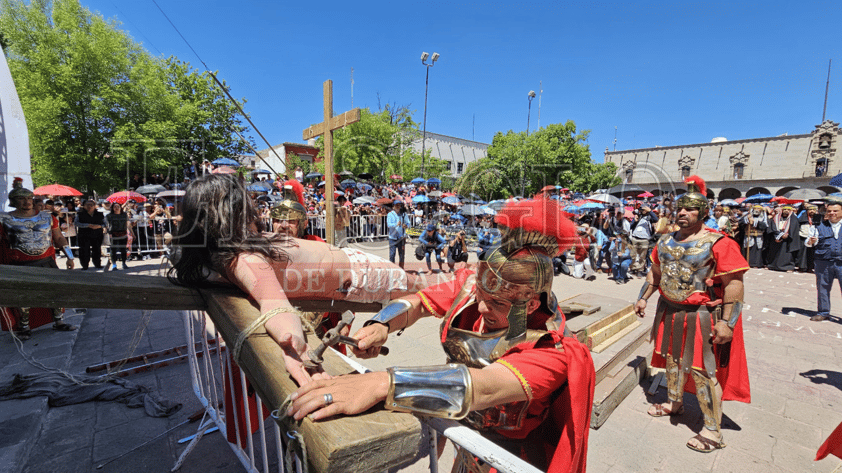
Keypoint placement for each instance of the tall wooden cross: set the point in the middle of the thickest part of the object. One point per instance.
(326, 128)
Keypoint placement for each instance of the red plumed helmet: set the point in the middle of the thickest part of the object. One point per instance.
(538, 223)
(696, 184)
(297, 188)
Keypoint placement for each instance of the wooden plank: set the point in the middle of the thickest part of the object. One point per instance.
(605, 362)
(374, 441)
(339, 121)
(612, 391)
(21, 286)
(616, 336)
(597, 336)
(608, 307)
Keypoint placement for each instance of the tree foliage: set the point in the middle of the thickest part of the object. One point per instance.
(99, 107)
(381, 144)
(518, 164)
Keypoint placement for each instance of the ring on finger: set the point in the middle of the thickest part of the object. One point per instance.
(328, 399)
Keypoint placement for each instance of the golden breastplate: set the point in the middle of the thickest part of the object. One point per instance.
(685, 265)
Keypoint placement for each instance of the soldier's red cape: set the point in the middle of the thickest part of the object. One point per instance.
(831, 446)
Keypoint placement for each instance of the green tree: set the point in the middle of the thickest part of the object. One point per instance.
(518, 164)
(381, 144)
(98, 106)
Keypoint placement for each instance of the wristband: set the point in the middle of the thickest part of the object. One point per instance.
(68, 252)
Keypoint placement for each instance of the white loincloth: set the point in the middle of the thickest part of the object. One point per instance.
(372, 277)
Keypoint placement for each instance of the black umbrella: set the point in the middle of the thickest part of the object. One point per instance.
(625, 190)
(314, 175)
(365, 175)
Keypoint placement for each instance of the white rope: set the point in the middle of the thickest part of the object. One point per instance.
(144, 320)
(257, 323)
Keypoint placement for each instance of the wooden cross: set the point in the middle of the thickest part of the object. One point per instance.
(326, 128)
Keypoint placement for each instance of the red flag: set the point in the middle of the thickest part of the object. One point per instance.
(833, 445)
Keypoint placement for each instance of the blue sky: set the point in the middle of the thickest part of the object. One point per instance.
(665, 73)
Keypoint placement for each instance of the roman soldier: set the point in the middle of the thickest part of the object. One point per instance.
(28, 238)
(698, 331)
(513, 372)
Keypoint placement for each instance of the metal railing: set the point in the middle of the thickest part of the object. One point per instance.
(213, 373)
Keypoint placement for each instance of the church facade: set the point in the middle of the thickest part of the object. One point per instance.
(741, 168)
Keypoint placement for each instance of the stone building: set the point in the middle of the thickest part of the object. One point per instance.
(741, 168)
(456, 152)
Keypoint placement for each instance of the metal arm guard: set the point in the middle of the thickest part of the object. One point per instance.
(733, 314)
(442, 391)
(643, 290)
(392, 310)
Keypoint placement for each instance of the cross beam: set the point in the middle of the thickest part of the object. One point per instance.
(326, 128)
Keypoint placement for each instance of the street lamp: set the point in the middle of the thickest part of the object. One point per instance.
(435, 58)
(530, 95)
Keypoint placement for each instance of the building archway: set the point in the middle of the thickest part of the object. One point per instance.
(784, 190)
(710, 194)
(829, 189)
(655, 192)
(757, 190)
(729, 193)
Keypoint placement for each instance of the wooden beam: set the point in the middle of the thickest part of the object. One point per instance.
(373, 441)
(21, 286)
(335, 123)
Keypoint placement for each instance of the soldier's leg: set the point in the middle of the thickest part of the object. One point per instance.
(675, 391)
(59, 323)
(709, 394)
(23, 331)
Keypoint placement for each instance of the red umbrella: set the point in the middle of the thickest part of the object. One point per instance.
(547, 189)
(224, 170)
(646, 195)
(384, 201)
(57, 189)
(396, 177)
(122, 197)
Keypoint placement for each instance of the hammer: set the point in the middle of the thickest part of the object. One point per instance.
(331, 338)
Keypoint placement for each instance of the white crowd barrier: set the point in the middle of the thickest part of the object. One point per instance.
(259, 450)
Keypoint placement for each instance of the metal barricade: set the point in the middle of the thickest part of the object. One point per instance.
(149, 236)
(362, 227)
(208, 375)
(212, 370)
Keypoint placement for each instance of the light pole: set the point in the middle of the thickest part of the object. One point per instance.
(529, 96)
(433, 60)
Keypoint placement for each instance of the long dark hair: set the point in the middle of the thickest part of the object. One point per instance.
(219, 221)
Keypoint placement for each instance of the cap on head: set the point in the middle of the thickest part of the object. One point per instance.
(431, 227)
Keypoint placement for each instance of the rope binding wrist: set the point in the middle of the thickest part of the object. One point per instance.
(257, 323)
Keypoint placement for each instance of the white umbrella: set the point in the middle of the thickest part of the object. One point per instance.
(604, 198)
